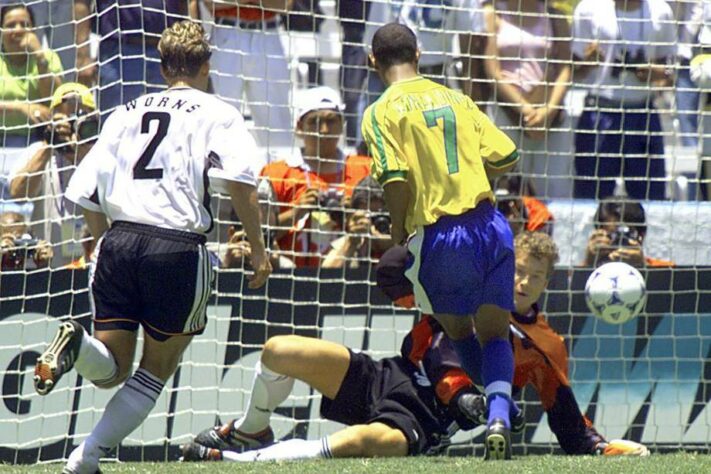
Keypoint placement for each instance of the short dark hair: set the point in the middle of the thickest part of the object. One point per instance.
(628, 212)
(365, 191)
(394, 44)
(6, 8)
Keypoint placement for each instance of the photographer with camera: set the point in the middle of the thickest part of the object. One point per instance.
(311, 187)
(50, 163)
(17, 246)
(515, 200)
(367, 229)
(620, 229)
(622, 53)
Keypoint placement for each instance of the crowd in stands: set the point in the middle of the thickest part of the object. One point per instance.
(518, 60)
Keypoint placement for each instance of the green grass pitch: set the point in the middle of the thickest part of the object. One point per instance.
(660, 463)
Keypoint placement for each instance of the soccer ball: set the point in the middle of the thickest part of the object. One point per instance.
(615, 292)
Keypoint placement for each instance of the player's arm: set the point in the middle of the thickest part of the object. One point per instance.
(96, 221)
(497, 150)
(397, 199)
(233, 167)
(389, 166)
(246, 204)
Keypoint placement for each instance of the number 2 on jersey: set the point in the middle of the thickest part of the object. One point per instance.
(449, 129)
(140, 169)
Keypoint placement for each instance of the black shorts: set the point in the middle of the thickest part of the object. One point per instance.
(386, 391)
(158, 278)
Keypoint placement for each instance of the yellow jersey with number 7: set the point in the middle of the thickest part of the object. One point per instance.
(437, 140)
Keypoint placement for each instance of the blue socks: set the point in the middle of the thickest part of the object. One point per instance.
(497, 369)
(469, 352)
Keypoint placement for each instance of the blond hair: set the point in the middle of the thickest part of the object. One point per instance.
(183, 49)
(538, 245)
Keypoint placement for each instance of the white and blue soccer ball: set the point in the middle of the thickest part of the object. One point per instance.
(615, 292)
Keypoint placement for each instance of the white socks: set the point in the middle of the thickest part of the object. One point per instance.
(291, 450)
(95, 362)
(126, 410)
(269, 390)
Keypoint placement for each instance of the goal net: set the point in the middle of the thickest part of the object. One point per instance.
(627, 123)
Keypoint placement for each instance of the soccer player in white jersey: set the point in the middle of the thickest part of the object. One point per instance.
(144, 190)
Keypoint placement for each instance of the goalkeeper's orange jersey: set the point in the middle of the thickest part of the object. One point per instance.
(540, 360)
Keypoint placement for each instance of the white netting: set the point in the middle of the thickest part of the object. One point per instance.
(647, 380)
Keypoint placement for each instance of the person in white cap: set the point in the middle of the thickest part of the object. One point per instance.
(44, 175)
(309, 188)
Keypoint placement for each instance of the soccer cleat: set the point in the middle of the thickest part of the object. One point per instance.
(228, 438)
(197, 452)
(622, 447)
(497, 441)
(518, 422)
(474, 407)
(59, 357)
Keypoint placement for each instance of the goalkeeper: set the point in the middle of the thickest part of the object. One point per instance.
(412, 403)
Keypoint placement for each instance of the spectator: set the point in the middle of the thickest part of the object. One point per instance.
(700, 74)
(86, 44)
(527, 57)
(309, 189)
(43, 176)
(367, 229)
(620, 229)
(354, 62)
(306, 16)
(621, 49)
(17, 245)
(248, 58)
(130, 30)
(29, 75)
(688, 14)
(524, 212)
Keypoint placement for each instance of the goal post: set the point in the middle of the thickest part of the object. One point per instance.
(648, 380)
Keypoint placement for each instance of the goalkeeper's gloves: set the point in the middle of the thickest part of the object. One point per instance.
(621, 447)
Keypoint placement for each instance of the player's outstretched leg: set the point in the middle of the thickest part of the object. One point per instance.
(251, 431)
(59, 357)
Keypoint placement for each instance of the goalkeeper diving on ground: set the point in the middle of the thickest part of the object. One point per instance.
(410, 404)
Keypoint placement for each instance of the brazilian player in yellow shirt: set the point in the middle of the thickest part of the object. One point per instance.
(434, 152)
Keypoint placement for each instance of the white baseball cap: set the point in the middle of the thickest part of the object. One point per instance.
(318, 98)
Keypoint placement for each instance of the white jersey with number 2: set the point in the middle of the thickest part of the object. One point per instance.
(157, 156)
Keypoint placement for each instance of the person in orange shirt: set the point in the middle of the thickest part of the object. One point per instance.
(367, 229)
(620, 229)
(515, 200)
(248, 57)
(312, 188)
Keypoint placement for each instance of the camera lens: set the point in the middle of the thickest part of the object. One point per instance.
(88, 128)
(381, 223)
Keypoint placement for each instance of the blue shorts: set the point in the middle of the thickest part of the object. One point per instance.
(462, 262)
